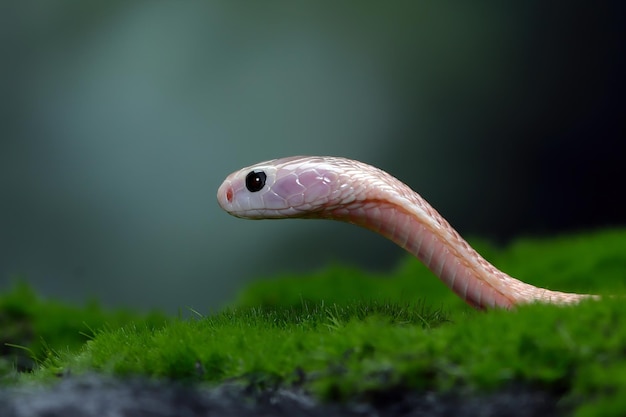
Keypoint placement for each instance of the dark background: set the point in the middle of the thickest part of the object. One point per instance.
(118, 121)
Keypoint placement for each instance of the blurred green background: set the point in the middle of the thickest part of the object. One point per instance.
(119, 120)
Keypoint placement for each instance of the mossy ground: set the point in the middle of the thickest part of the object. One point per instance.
(33, 330)
(342, 332)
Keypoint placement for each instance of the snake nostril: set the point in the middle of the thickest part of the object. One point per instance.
(229, 195)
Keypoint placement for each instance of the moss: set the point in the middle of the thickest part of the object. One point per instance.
(344, 333)
(34, 329)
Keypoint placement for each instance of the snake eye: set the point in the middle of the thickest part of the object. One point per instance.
(255, 181)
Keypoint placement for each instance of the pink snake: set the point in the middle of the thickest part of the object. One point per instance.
(334, 188)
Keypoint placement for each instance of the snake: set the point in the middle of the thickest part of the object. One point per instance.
(335, 188)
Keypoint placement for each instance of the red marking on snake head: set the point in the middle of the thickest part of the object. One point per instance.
(229, 194)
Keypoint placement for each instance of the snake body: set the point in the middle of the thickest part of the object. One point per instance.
(351, 191)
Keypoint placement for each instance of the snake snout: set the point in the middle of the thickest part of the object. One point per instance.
(226, 196)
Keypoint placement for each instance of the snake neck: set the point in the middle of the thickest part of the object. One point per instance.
(428, 236)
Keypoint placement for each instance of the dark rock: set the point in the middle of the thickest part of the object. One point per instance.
(98, 396)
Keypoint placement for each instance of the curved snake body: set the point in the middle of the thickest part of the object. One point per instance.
(352, 191)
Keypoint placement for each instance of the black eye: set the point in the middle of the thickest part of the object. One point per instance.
(255, 181)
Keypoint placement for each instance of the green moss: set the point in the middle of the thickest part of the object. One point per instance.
(343, 332)
(34, 329)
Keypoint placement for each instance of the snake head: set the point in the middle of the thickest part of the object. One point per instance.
(288, 187)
